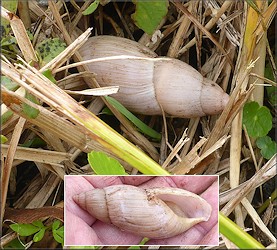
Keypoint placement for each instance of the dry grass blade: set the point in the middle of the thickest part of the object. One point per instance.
(79, 15)
(41, 197)
(178, 39)
(187, 162)
(236, 102)
(24, 13)
(249, 53)
(271, 83)
(250, 185)
(92, 82)
(176, 149)
(38, 155)
(258, 179)
(95, 92)
(8, 238)
(94, 127)
(53, 123)
(19, 91)
(209, 25)
(6, 170)
(256, 218)
(21, 35)
(23, 41)
(267, 18)
(204, 30)
(192, 158)
(67, 53)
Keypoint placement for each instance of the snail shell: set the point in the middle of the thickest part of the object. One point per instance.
(147, 82)
(154, 213)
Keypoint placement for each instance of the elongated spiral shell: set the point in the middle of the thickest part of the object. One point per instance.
(154, 213)
(147, 82)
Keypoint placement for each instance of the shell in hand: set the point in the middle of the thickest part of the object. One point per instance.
(156, 213)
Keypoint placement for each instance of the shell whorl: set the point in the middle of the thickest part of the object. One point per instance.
(154, 213)
(146, 85)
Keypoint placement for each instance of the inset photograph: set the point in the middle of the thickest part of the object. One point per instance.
(133, 210)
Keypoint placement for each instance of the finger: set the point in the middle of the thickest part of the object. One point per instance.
(193, 236)
(77, 232)
(211, 238)
(160, 181)
(111, 235)
(76, 185)
(194, 183)
(103, 181)
(135, 180)
(211, 196)
(190, 237)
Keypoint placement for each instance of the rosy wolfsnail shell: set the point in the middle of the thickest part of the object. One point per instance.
(154, 213)
(147, 82)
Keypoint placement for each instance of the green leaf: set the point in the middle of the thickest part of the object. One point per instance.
(49, 75)
(143, 241)
(106, 111)
(49, 49)
(142, 126)
(234, 233)
(268, 202)
(271, 91)
(36, 142)
(253, 5)
(8, 40)
(4, 139)
(90, 9)
(134, 247)
(6, 116)
(149, 14)
(257, 119)
(58, 235)
(272, 95)
(8, 83)
(10, 5)
(38, 223)
(28, 229)
(27, 109)
(268, 71)
(104, 165)
(267, 146)
(24, 229)
(14, 244)
(39, 235)
(56, 225)
(30, 35)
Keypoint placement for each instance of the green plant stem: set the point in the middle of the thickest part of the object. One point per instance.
(268, 201)
(122, 147)
(142, 126)
(235, 234)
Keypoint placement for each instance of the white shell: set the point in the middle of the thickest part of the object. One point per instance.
(148, 81)
(154, 213)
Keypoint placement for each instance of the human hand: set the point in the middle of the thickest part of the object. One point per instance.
(82, 229)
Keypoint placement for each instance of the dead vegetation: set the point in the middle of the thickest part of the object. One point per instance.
(213, 36)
